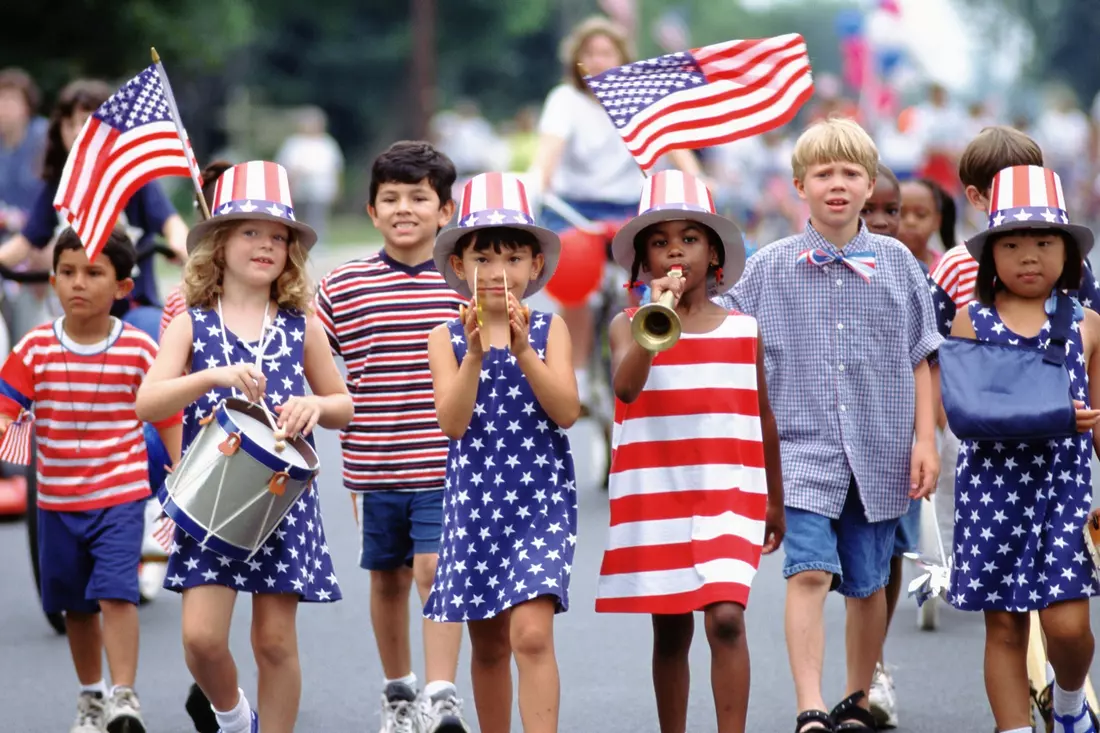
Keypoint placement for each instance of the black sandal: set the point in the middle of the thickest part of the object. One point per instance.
(848, 715)
(813, 716)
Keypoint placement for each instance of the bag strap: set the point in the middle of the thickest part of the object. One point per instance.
(1061, 322)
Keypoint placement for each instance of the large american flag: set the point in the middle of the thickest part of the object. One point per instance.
(706, 96)
(130, 140)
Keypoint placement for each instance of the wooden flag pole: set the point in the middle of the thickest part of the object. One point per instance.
(171, 99)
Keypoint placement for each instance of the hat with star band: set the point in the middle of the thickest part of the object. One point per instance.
(258, 189)
(1028, 197)
(495, 200)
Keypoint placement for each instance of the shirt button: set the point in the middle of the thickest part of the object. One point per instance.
(840, 326)
(840, 367)
(843, 408)
(839, 283)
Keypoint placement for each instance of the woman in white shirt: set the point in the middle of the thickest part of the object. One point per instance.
(582, 159)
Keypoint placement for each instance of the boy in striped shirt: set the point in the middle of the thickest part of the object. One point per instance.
(81, 374)
(378, 311)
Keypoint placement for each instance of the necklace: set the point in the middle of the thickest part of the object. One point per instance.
(266, 335)
(81, 430)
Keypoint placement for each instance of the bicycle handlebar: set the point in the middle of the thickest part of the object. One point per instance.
(43, 276)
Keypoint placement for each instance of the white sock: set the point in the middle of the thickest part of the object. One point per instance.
(237, 720)
(584, 387)
(116, 688)
(434, 688)
(1020, 730)
(409, 679)
(1067, 702)
(100, 687)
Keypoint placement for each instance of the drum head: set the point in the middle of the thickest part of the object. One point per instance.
(259, 432)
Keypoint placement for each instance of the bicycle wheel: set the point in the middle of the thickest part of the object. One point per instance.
(56, 620)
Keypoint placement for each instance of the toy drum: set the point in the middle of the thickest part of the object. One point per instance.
(233, 487)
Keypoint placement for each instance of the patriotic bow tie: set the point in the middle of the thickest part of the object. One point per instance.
(861, 263)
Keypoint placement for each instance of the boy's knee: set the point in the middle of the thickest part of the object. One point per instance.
(812, 581)
(424, 566)
(725, 623)
(390, 584)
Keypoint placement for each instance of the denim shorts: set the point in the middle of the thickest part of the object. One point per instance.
(396, 525)
(855, 551)
(907, 538)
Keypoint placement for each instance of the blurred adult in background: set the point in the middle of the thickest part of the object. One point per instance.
(314, 164)
(940, 124)
(582, 159)
(1062, 131)
(22, 144)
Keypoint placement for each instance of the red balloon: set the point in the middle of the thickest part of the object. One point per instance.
(580, 267)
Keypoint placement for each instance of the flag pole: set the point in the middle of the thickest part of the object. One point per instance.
(584, 77)
(192, 164)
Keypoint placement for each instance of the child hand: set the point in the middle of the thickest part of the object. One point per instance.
(775, 527)
(517, 325)
(245, 378)
(5, 423)
(473, 332)
(660, 286)
(1086, 419)
(924, 469)
(299, 415)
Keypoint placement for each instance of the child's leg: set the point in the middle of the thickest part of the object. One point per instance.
(729, 665)
(491, 672)
(531, 632)
(441, 641)
(84, 632)
(672, 634)
(275, 646)
(115, 547)
(1070, 646)
(1006, 683)
(120, 640)
(206, 613)
(389, 617)
(386, 550)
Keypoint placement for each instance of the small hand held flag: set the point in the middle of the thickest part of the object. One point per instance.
(706, 96)
(15, 444)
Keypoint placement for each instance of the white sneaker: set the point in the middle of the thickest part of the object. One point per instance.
(89, 713)
(124, 712)
(883, 699)
(399, 709)
(442, 713)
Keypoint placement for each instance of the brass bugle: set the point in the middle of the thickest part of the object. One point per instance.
(655, 326)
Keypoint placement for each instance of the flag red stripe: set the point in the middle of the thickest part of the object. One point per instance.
(1021, 187)
(494, 191)
(271, 182)
(1052, 190)
(691, 192)
(81, 152)
(240, 185)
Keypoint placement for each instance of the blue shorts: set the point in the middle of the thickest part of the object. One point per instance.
(855, 551)
(85, 557)
(907, 538)
(397, 525)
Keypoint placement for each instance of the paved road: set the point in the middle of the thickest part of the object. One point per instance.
(604, 660)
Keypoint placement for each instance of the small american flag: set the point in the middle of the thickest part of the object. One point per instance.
(163, 532)
(130, 140)
(15, 445)
(706, 96)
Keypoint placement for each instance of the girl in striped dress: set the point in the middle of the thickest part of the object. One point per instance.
(695, 485)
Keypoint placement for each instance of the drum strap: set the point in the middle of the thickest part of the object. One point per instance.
(267, 333)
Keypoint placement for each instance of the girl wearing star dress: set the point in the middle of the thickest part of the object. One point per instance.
(248, 332)
(504, 392)
(1021, 506)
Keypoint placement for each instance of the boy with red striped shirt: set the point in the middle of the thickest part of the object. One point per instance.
(81, 374)
(378, 311)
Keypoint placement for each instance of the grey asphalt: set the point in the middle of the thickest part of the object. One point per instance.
(604, 659)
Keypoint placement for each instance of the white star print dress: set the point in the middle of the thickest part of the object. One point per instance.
(296, 557)
(1020, 508)
(510, 501)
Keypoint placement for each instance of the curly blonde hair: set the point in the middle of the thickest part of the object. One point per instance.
(202, 275)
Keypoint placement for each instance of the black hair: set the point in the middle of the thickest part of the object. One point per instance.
(410, 161)
(947, 209)
(885, 172)
(987, 284)
(498, 239)
(210, 175)
(641, 248)
(118, 250)
(82, 94)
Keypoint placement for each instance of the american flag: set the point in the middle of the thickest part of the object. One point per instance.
(163, 532)
(706, 96)
(15, 445)
(130, 140)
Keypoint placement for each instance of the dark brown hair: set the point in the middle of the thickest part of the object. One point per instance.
(498, 239)
(987, 284)
(19, 80)
(118, 250)
(411, 161)
(210, 175)
(994, 149)
(82, 94)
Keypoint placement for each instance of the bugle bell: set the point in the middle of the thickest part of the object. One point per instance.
(655, 326)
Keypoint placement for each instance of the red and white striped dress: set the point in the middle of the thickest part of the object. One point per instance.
(688, 487)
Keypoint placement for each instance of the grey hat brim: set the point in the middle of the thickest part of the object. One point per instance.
(622, 246)
(306, 236)
(548, 241)
(1082, 235)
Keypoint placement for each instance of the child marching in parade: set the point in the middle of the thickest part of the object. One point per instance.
(1019, 545)
(505, 392)
(696, 488)
(248, 332)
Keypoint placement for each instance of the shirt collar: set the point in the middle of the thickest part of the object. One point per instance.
(857, 242)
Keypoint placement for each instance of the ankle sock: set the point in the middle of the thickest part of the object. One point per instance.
(1020, 730)
(437, 688)
(100, 687)
(237, 720)
(409, 679)
(1068, 702)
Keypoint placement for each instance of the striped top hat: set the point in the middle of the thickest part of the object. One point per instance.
(1028, 197)
(673, 195)
(258, 189)
(494, 200)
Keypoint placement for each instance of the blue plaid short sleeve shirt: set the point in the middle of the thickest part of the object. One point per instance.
(839, 354)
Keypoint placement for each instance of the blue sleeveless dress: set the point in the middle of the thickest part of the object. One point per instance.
(296, 558)
(510, 498)
(1020, 508)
